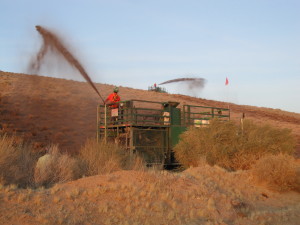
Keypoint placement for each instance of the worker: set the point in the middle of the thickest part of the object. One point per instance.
(113, 98)
(112, 101)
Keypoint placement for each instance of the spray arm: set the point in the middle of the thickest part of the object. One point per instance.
(101, 98)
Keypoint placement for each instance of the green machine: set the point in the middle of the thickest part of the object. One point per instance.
(152, 129)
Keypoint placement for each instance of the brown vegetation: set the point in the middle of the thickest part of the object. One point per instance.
(20, 166)
(278, 172)
(202, 195)
(231, 145)
(101, 157)
(17, 161)
(55, 167)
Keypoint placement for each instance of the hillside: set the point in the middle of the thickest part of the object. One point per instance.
(50, 110)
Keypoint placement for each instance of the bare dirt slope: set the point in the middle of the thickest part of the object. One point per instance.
(50, 110)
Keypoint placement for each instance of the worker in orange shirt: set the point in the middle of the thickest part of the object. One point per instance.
(112, 101)
(113, 98)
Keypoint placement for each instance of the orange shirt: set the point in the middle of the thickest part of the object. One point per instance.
(113, 97)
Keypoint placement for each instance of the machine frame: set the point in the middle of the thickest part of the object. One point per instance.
(152, 129)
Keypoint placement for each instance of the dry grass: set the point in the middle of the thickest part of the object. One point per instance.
(18, 165)
(278, 172)
(101, 158)
(228, 145)
(135, 163)
(56, 167)
(16, 161)
(107, 157)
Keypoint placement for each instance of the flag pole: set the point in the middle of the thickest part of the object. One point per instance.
(226, 84)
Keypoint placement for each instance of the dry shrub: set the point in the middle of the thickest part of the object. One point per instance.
(230, 146)
(102, 157)
(212, 143)
(266, 138)
(55, 167)
(16, 161)
(278, 172)
(136, 163)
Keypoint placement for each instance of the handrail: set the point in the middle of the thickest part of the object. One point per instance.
(207, 107)
(137, 100)
(150, 115)
(130, 114)
(195, 115)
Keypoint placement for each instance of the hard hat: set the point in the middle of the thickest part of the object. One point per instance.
(116, 89)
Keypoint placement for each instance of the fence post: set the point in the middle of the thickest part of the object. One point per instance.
(242, 123)
(183, 114)
(189, 115)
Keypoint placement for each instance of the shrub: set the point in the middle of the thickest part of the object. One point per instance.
(102, 157)
(106, 157)
(278, 172)
(228, 145)
(265, 138)
(135, 163)
(55, 167)
(17, 161)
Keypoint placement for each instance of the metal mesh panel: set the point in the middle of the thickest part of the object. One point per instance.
(150, 144)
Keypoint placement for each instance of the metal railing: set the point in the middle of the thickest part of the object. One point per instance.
(201, 115)
(133, 113)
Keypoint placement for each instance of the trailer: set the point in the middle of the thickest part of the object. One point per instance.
(151, 129)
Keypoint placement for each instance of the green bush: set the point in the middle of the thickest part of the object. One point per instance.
(228, 145)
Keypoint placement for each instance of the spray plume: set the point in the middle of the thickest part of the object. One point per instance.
(192, 82)
(51, 41)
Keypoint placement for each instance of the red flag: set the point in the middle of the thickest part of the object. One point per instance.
(226, 82)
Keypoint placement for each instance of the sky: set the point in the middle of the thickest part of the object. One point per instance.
(133, 43)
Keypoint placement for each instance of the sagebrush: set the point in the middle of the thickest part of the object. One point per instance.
(19, 165)
(101, 157)
(17, 161)
(231, 145)
(56, 167)
(278, 172)
(105, 157)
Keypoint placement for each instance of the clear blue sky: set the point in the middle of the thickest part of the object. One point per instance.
(133, 43)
